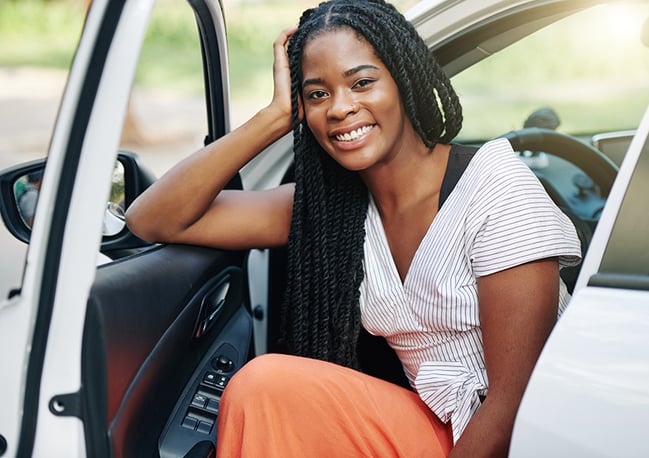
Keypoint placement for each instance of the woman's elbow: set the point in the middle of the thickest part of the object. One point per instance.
(141, 226)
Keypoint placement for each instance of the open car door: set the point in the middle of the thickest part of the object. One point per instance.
(129, 358)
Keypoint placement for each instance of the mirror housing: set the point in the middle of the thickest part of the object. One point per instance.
(18, 191)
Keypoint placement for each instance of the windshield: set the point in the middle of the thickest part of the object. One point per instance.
(587, 73)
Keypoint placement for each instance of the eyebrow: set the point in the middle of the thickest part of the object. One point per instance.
(347, 73)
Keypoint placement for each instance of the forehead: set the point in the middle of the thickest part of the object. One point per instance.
(339, 48)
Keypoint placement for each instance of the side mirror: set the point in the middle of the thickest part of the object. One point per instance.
(19, 188)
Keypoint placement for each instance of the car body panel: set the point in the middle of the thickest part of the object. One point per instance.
(590, 383)
(46, 321)
(62, 362)
(38, 292)
(467, 26)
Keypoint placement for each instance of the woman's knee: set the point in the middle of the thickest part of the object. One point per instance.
(260, 376)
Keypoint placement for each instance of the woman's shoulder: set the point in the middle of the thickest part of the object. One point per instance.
(496, 151)
(497, 157)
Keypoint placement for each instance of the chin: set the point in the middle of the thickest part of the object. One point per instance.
(354, 161)
(354, 165)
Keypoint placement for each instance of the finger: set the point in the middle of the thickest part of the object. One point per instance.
(284, 36)
(280, 46)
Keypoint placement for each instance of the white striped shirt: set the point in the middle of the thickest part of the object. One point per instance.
(497, 217)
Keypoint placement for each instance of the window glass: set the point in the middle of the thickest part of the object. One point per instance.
(627, 250)
(166, 118)
(591, 69)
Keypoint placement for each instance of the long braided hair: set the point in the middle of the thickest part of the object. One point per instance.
(320, 313)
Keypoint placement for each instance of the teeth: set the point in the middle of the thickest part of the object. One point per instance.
(354, 134)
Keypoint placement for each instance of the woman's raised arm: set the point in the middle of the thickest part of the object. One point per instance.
(188, 204)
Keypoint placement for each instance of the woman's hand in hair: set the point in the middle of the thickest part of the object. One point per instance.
(282, 76)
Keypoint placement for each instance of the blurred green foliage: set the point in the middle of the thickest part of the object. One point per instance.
(39, 33)
(45, 33)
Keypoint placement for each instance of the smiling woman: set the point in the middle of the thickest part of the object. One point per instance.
(361, 86)
(384, 230)
(371, 243)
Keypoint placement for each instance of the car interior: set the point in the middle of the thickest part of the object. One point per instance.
(168, 325)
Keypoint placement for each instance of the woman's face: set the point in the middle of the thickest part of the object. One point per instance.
(351, 102)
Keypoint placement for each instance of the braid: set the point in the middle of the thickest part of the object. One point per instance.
(320, 313)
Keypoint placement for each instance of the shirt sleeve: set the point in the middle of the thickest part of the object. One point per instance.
(513, 219)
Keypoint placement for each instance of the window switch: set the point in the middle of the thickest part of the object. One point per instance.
(204, 427)
(221, 381)
(213, 406)
(190, 423)
(210, 378)
(199, 400)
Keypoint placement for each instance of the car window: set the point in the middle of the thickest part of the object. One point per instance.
(628, 245)
(591, 69)
(166, 118)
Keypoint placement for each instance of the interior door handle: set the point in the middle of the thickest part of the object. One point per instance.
(213, 308)
(215, 299)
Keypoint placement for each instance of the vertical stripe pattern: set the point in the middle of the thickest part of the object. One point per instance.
(497, 217)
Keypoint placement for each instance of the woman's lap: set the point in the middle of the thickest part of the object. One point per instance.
(279, 405)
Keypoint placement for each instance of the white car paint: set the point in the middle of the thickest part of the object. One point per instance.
(55, 435)
(76, 266)
(589, 395)
(61, 371)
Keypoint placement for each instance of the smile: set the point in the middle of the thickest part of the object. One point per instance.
(354, 134)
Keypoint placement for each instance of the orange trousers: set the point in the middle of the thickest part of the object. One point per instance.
(287, 406)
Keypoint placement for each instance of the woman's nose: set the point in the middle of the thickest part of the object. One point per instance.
(341, 107)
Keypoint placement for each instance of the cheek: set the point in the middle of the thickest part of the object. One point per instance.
(315, 125)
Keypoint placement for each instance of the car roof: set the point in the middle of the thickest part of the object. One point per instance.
(461, 40)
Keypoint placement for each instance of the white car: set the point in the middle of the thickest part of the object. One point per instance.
(129, 358)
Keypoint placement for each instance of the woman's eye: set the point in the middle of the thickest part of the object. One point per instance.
(362, 83)
(314, 95)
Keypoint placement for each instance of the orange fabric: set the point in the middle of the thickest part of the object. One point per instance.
(287, 406)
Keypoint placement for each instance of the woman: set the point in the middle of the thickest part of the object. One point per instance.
(466, 292)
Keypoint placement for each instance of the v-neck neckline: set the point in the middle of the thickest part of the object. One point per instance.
(385, 245)
(452, 174)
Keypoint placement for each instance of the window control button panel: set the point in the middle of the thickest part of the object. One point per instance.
(195, 416)
(203, 409)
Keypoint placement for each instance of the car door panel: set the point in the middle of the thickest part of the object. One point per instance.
(140, 347)
(194, 417)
